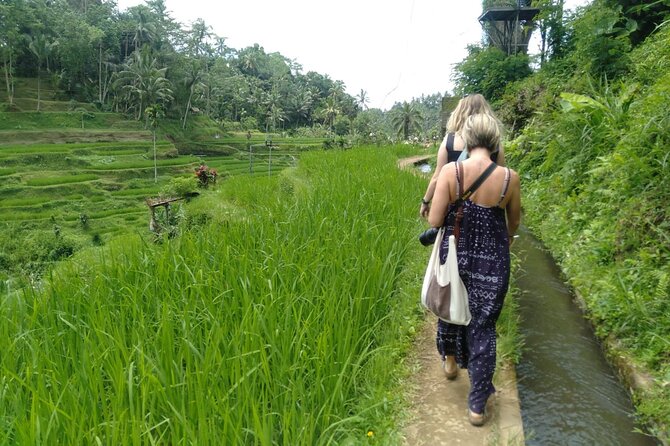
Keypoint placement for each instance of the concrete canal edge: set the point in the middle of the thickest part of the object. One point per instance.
(637, 381)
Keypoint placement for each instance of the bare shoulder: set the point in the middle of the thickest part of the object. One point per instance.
(449, 167)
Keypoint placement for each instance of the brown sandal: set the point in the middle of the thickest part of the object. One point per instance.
(477, 419)
(450, 374)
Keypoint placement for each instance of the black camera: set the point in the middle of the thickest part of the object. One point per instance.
(428, 236)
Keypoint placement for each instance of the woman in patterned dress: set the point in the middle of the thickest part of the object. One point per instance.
(490, 219)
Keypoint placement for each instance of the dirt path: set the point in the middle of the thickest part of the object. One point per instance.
(407, 162)
(439, 406)
(438, 412)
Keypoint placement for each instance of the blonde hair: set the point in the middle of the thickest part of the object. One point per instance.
(481, 130)
(469, 105)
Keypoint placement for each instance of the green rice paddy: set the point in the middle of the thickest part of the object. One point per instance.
(281, 323)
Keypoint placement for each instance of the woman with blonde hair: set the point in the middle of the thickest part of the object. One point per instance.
(488, 220)
(453, 144)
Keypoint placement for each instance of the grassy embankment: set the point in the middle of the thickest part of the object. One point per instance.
(285, 319)
(597, 175)
(63, 187)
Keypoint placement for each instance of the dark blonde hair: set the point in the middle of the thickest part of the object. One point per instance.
(481, 130)
(469, 105)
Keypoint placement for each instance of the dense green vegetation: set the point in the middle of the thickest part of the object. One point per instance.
(280, 316)
(99, 59)
(589, 135)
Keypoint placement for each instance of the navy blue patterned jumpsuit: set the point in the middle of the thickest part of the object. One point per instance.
(484, 266)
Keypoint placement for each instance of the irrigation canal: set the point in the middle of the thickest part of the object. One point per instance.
(569, 394)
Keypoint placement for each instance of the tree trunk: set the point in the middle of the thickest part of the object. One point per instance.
(107, 84)
(38, 87)
(100, 72)
(9, 79)
(209, 87)
(188, 107)
(155, 165)
(543, 45)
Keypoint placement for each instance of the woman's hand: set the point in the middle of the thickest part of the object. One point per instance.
(424, 210)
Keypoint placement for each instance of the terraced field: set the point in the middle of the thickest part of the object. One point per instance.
(72, 178)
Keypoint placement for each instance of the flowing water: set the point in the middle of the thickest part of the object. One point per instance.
(569, 393)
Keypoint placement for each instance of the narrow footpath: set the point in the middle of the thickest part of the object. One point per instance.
(439, 408)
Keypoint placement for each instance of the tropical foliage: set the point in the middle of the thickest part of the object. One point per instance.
(125, 61)
(592, 136)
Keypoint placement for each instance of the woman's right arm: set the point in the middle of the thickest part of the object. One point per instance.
(442, 197)
(513, 208)
(442, 157)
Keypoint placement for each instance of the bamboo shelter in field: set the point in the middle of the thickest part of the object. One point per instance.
(153, 203)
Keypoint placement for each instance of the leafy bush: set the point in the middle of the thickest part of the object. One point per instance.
(181, 186)
(488, 70)
(601, 41)
(205, 175)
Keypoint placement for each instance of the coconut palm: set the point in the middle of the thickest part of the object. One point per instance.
(301, 106)
(144, 29)
(193, 81)
(41, 48)
(363, 99)
(275, 114)
(406, 119)
(154, 113)
(143, 82)
(330, 111)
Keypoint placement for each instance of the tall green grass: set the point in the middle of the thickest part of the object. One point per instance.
(279, 325)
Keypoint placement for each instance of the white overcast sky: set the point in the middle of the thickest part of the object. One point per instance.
(395, 50)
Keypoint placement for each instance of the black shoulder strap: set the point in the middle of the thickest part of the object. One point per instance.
(478, 182)
(450, 141)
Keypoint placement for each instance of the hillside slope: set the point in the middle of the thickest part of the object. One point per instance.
(596, 180)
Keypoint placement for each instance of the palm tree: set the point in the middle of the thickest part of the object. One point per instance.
(154, 113)
(39, 46)
(330, 111)
(198, 37)
(144, 30)
(363, 99)
(143, 82)
(301, 106)
(406, 119)
(192, 80)
(275, 114)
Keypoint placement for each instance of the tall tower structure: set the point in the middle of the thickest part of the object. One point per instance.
(509, 24)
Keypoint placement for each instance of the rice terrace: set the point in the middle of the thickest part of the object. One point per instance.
(202, 244)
